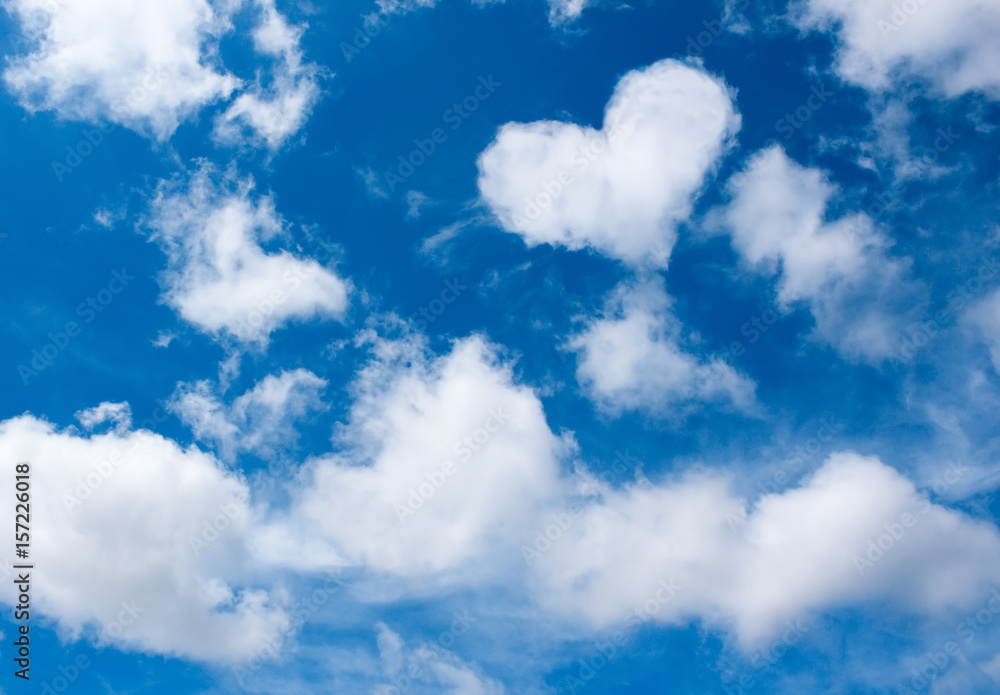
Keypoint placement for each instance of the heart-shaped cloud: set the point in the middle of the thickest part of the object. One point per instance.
(620, 190)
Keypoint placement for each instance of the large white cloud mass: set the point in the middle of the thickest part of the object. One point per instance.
(447, 468)
(621, 190)
(855, 531)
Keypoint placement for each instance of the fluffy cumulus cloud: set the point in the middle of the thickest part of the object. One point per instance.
(219, 278)
(855, 532)
(620, 190)
(841, 269)
(150, 66)
(951, 44)
(260, 421)
(632, 358)
(442, 461)
(428, 666)
(143, 542)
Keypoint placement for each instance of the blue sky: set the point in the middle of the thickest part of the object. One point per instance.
(508, 347)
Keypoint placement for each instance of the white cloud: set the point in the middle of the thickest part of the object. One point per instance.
(428, 665)
(890, 122)
(148, 66)
(840, 269)
(373, 184)
(218, 276)
(153, 65)
(108, 217)
(751, 570)
(620, 190)
(985, 316)
(563, 11)
(733, 19)
(273, 114)
(437, 247)
(632, 358)
(259, 421)
(113, 518)
(441, 461)
(415, 200)
(401, 6)
(163, 339)
(119, 414)
(951, 44)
